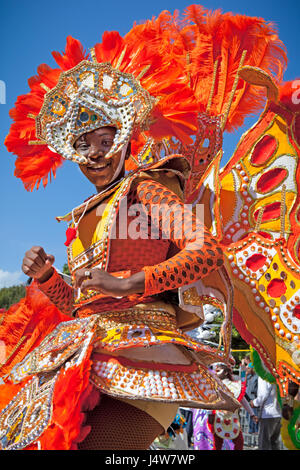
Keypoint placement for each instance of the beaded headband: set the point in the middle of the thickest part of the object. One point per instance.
(107, 87)
(87, 97)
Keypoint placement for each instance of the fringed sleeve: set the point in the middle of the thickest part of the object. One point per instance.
(199, 252)
(59, 292)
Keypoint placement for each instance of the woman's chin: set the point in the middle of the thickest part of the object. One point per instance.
(101, 178)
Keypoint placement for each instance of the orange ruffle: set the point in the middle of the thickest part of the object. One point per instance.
(33, 318)
(73, 395)
(26, 324)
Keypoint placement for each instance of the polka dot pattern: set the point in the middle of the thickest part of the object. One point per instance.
(59, 292)
(198, 254)
(175, 229)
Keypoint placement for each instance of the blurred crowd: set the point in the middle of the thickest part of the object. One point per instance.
(200, 429)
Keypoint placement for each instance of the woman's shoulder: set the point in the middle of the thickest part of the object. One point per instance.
(165, 177)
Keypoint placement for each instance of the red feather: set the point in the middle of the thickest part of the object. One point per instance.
(73, 54)
(175, 56)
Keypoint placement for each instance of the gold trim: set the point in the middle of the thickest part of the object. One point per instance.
(269, 160)
(235, 83)
(282, 211)
(275, 188)
(212, 86)
(228, 167)
(104, 67)
(93, 54)
(259, 219)
(36, 142)
(131, 157)
(21, 341)
(121, 57)
(296, 248)
(142, 73)
(45, 87)
(292, 127)
(258, 77)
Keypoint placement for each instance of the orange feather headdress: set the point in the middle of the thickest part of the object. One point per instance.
(177, 68)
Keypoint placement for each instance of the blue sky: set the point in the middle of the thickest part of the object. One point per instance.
(29, 31)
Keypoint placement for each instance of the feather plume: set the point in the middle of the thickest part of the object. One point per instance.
(175, 56)
(73, 54)
(34, 163)
(289, 95)
(224, 37)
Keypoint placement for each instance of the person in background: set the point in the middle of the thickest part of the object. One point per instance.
(243, 366)
(269, 416)
(288, 404)
(290, 417)
(223, 424)
(251, 393)
(187, 413)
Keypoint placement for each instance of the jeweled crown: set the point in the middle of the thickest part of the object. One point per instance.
(89, 96)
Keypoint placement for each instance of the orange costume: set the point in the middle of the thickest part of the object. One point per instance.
(156, 87)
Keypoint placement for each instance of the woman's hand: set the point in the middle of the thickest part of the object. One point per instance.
(101, 281)
(38, 264)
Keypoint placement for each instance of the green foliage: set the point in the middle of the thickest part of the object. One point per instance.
(238, 345)
(65, 269)
(11, 295)
(237, 341)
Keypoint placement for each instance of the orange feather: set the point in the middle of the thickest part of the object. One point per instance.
(175, 56)
(73, 54)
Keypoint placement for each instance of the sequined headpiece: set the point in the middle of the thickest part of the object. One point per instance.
(87, 97)
(151, 84)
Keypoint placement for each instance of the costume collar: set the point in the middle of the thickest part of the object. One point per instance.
(176, 164)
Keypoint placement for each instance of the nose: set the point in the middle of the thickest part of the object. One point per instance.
(95, 153)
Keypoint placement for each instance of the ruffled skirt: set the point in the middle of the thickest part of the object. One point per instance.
(137, 355)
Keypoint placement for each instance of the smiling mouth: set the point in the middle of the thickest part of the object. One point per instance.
(99, 167)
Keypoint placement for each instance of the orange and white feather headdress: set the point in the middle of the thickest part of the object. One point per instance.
(153, 84)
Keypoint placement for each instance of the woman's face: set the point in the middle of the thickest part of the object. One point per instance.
(94, 146)
(221, 371)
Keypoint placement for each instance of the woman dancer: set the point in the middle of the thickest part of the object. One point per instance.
(122, 358)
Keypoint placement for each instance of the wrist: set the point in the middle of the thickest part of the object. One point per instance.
(46, 276)
(134, 284)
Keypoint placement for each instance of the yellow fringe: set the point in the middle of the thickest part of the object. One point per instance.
(45, 87)
(121, 57)
(235, 84)
(212, 86)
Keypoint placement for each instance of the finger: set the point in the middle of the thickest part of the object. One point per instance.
(37, 254)
(34, 260)
(30, 272)
(35, 269)
(39, 251)
(50, 260)
(26, 270)
(89, 284)
(80, 276)
(30, 266)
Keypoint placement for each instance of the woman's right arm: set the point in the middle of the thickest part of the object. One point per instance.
(38, 265)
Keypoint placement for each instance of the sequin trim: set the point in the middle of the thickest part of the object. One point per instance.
(26, 417)
(117, 378)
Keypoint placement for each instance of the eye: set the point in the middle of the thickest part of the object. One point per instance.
(107, 143)
(81, 146)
